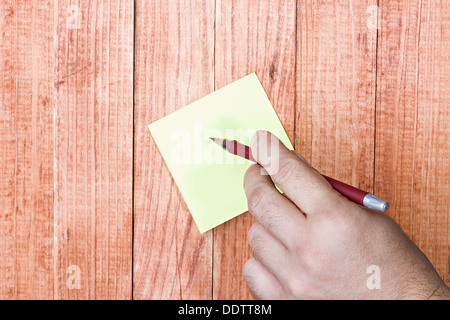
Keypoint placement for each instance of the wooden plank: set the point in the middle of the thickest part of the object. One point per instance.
(26, 150)
(336, 75)
(413, 117)
(93, 149)
(173, 67)
(251, 36)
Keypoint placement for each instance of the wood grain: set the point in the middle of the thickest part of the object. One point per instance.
(174, 59)
(93, 150)
(80, 80)
(413, 123)
(251, 36)
(26, 150)
(336, 75)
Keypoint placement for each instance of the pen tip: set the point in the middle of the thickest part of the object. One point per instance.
(212, 138)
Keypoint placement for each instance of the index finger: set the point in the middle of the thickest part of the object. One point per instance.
(273, 210)
(302, 184)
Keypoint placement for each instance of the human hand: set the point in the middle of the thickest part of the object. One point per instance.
(313, 243)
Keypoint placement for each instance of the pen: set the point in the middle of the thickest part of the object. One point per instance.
(354, 194)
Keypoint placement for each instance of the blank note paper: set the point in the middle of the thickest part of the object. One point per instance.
(209, 178)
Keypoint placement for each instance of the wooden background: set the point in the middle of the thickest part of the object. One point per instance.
(88, 210)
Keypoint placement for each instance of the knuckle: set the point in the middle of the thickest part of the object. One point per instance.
(253, 234)
(258, 199)
(296, 287)
(309, 254)
(345, 223)
(250, 173)
(301, 288)
(279, 223)
(249, 270)
(274, 222)
(263, 205)
(256, 240)
(333, 202)
(287, 170)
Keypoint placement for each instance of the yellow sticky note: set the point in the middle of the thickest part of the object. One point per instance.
(209, 178)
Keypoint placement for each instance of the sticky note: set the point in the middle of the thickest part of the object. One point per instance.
(210, 179)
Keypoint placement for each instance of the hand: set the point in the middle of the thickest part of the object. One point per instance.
(313, 243)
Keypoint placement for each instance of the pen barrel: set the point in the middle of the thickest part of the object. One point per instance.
(348, 191)
(356, 195)
(241, 150)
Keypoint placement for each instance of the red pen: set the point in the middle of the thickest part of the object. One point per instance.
(356, 195)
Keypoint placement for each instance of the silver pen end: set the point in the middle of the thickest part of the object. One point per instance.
(372, 202)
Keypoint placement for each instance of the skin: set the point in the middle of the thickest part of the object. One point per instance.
(312, 243)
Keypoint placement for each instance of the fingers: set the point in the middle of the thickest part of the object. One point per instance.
(268, 250)
(303, 185)
(262, 283)
(274, 211)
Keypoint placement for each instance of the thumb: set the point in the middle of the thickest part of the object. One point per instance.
(303, 185)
